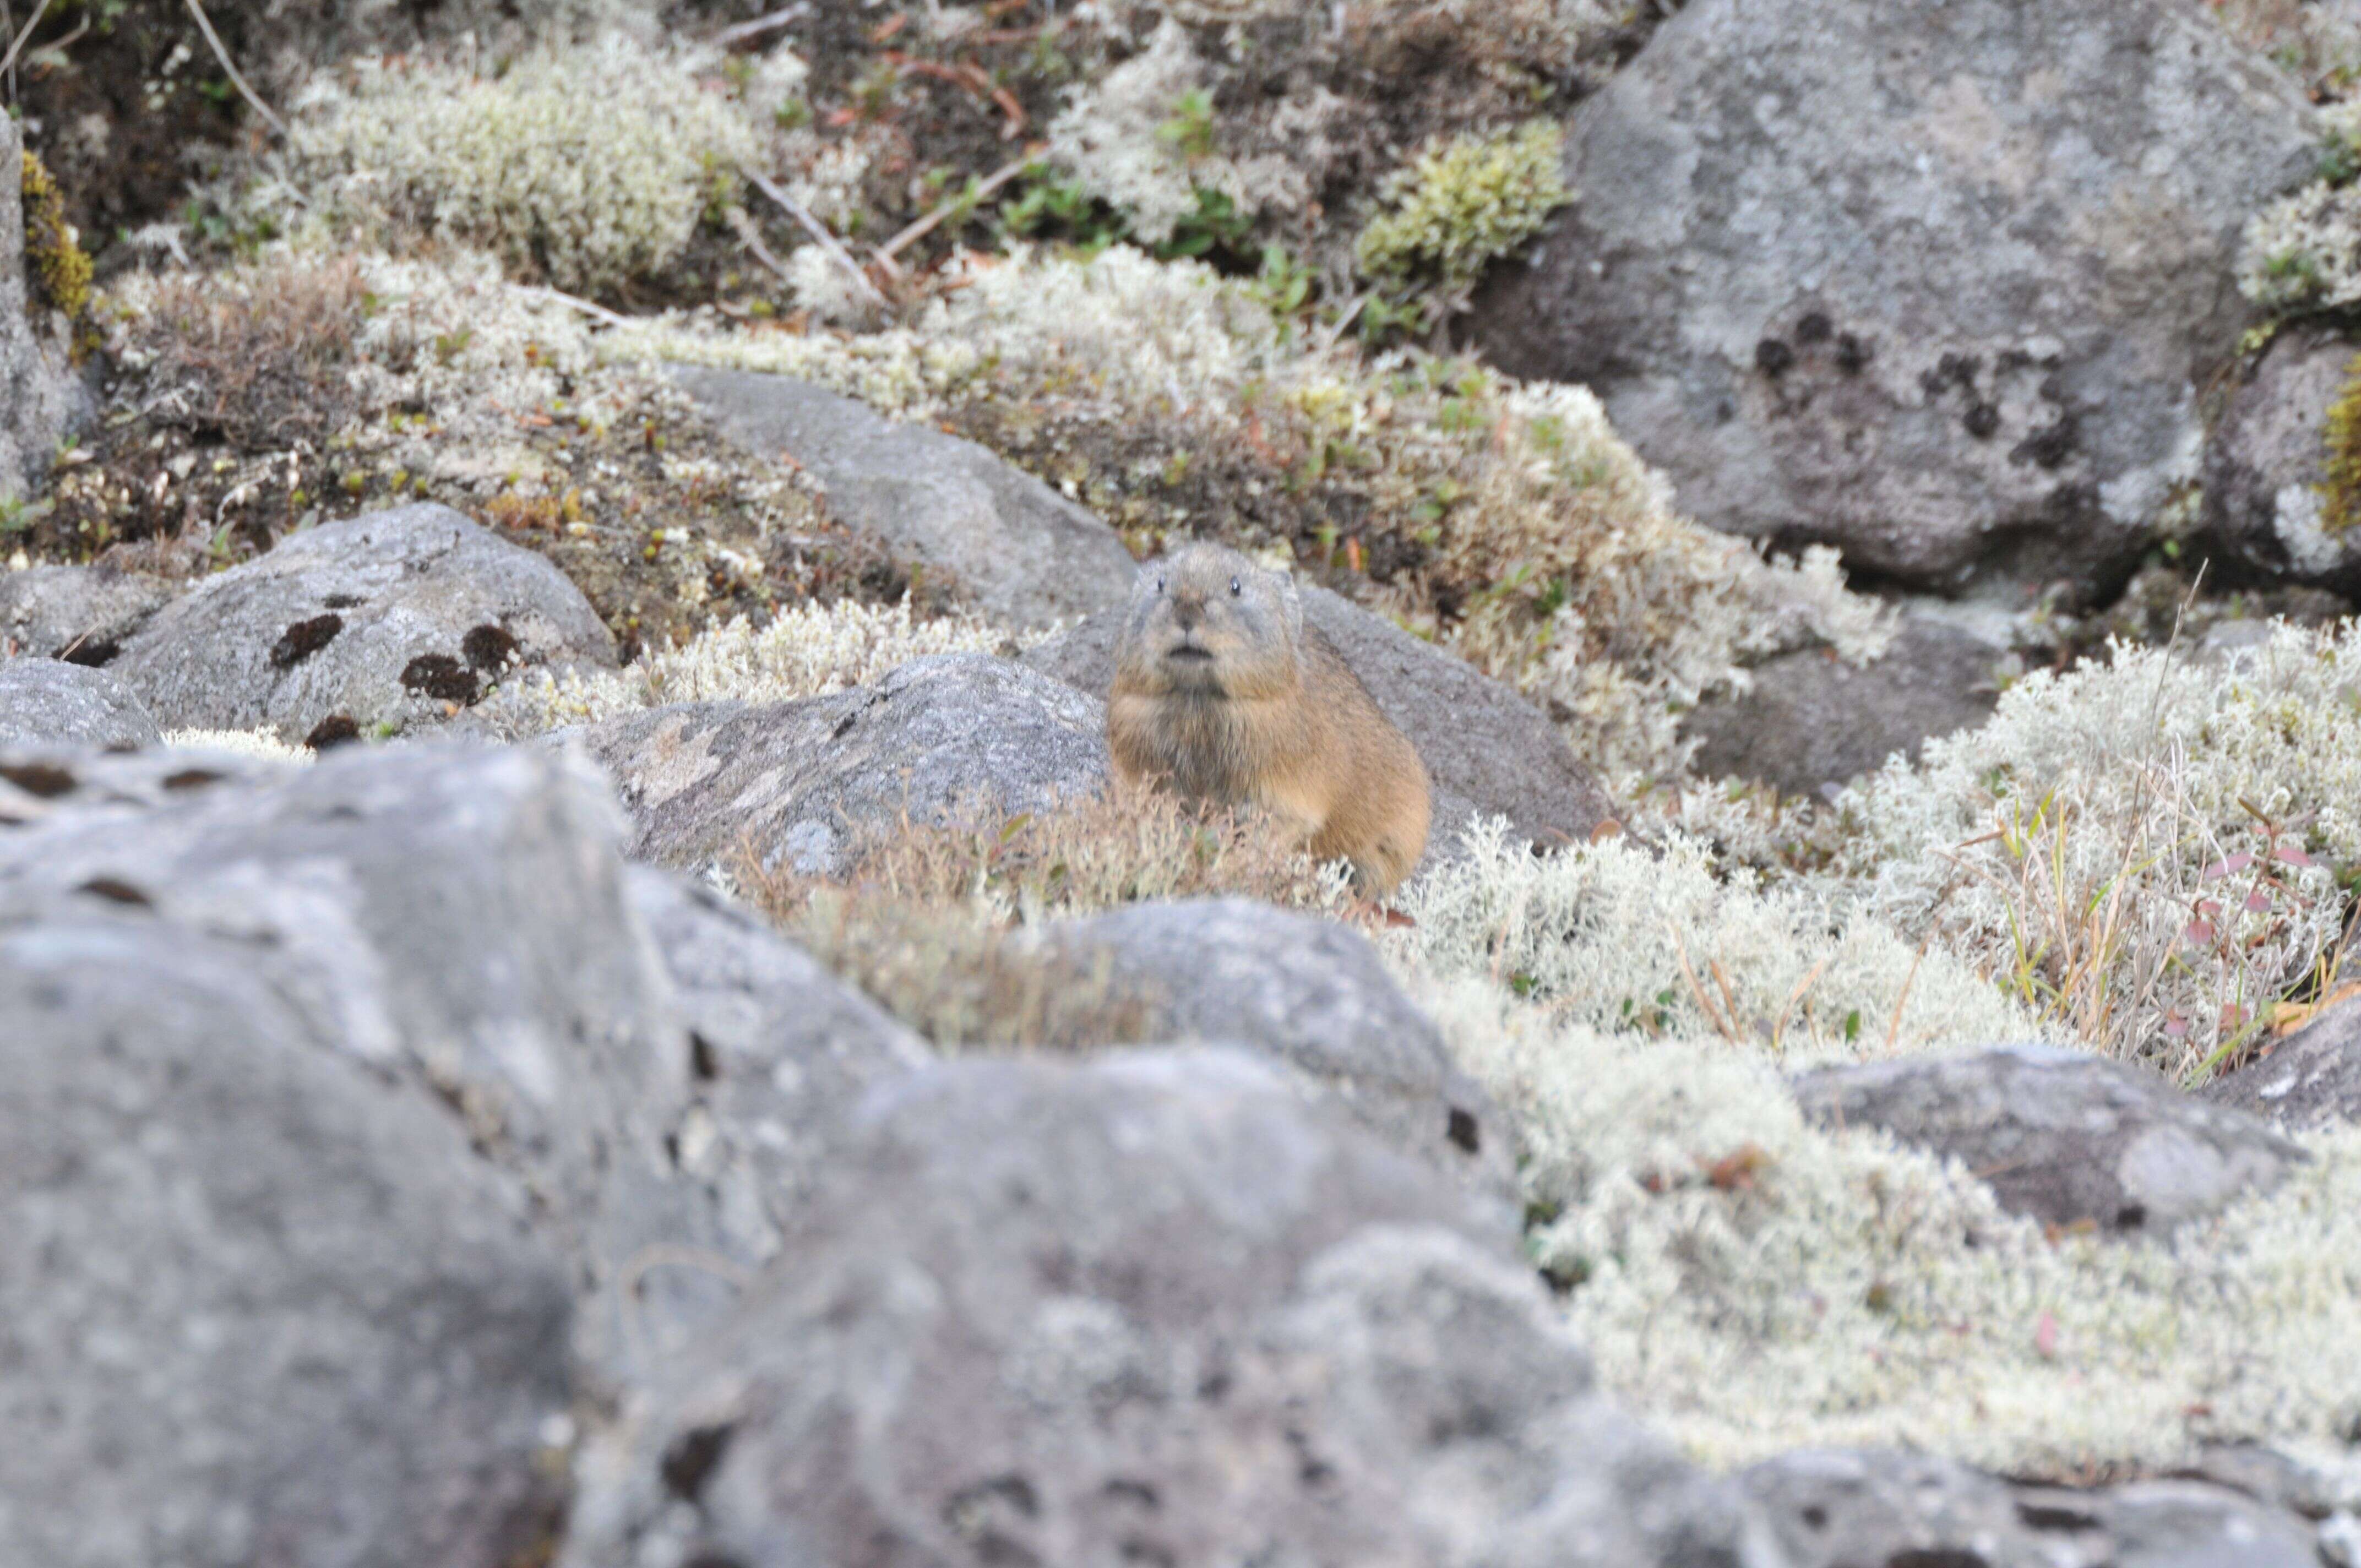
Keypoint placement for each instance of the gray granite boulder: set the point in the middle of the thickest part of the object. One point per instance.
(1486, 748)
(1019, 551)
(2064, 1137)
(372, 624)
(81, 614)
(2265, 465)
(1811, 719)
(2311, 1080)
(1156, 1309)
(1309, 994)
(47, 701)
(39, 398)
(796, 782)
(1936, 281)
(259, 1301)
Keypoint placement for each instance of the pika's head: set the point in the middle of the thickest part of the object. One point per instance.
(1206, 621)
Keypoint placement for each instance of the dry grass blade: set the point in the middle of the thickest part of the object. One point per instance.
(229, 66)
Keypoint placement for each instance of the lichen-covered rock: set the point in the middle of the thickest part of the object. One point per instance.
(2270, 505)
(798, 781)
(1936, 282)
(1487, 750)
(1835, 1509)
(1023, 553)
(2311, 1079)
(2064, 1137)
(1811, 718)
(1310, 994)
(1155, 1309)
(81, 614)
(39, 398)
(386, 622)
(262, 1304)
(47, 701)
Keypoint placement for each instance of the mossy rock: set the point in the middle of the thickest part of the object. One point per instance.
(54, 259)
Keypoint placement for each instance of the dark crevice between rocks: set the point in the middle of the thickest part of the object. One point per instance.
(689, 1462)
(92, 652)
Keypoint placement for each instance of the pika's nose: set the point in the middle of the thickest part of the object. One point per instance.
(1189, 610)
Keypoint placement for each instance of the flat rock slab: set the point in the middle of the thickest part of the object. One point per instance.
(1935, 281)
(1154, 1308)
(1311, 995)
(374, 624)
(81, 614)
(2311, 1080)
(796, 782)
(50, 702)
(2062, 1135)
(1020, 552)
(1487, 750)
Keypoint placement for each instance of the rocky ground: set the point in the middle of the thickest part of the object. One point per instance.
(576, 989)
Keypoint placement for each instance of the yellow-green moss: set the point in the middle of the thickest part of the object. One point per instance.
(1461, 203)
(58, 267)
(2340, 485)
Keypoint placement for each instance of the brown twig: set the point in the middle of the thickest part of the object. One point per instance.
(17, 44)
(205, 26)
(729, 36)
(819, 232)
(943, 209)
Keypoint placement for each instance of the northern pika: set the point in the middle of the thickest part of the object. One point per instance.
(1224, 693)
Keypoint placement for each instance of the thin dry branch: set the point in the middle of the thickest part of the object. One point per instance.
(245, 91)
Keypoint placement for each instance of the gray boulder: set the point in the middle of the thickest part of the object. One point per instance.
(1310, 994)
(2064, 1137)
(78, 613)
(1486, 749)
(39, 398)
(799, 780)
(1938, 282)
(2311, 1080)
(1811, 719)
(1842, 1508)
(258, 1302)
(1022, 552)
(2265, 466)
(1156, 1309)
(45, 701)
(385, 621)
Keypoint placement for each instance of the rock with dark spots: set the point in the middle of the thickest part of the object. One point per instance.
(2017, 225)
(798, 781)
(40, 399)
(258, 1303)
(389, 619)
(1843, 1509)
(1022, 552)
(2311, 1080)
(1487, 750)
(2266, 467)
(1810, 719)
(2064, 1137)
(81, 614)
(38, 782)
(1155, 1309)
(1307, 994)
(47, 701)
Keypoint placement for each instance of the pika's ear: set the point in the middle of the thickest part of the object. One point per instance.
(1291, 604)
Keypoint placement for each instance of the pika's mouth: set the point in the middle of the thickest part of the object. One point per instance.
(1190, 653)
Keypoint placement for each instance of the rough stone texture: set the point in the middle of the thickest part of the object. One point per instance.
(1842, 1508)
(393, 617)
(258, 1304)
(1023, 553)
(1486, 749)
(2062, 1135)
(81, 614)
(2311, 1079)
(798, 781)
(39, 398)
(1937, 281)
(1812, 719)
(1310, 995)
(47, 701)
(1157, 1309)
(2264, 464)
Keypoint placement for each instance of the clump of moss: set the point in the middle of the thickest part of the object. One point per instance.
(60, 267)
(1461, 203)
(2340, 486)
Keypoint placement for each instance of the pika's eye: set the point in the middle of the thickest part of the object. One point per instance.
(1234, 588)
(1159, 582)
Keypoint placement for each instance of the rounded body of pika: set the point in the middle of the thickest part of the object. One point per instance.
(1225, 694)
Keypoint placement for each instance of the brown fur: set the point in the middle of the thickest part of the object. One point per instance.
(1227, 695)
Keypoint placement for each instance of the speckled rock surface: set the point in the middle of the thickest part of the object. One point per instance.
(47, 701)
(2266, 461)
(81, 614)
(2311, 1079)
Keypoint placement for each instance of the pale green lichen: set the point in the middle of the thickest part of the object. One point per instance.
(264, 745)
(1458, 205)
(2302, 252)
